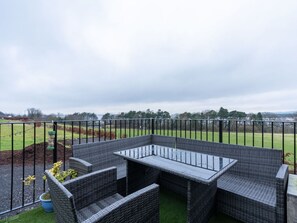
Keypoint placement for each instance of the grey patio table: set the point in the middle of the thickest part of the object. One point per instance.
(201, 171)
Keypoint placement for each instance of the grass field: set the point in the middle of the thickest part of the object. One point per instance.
(22, 135)
(15, 134)
(36, 215)
(240, 138)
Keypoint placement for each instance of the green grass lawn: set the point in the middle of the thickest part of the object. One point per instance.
(257, 139)
(170, 201)
(36, 215)
(172, 210)
(241, 139)
(7, 133)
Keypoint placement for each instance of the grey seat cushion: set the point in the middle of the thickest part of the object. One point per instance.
(250, 188)
(94, 208)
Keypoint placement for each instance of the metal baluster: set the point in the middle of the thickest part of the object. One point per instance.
(34, 160)
(129, 128)
(99, 129)
(87, 132)
(104, 130)
(23, 171)
(244, 133)
(283, 140)
(272, 135)
(79, 132)
(180, 130)
(64, 147)
(229, 131)
(294, 147)
(196, 129)
(185, 129)
(12, 168)
(213, 130)
(262, 134)
(115, 129)
(253, 133)
(206, 126)
(190, 129)
(72, 134)
(201, 128)
(110, 124)
(236, 130)
(125, 123)
(93, 129)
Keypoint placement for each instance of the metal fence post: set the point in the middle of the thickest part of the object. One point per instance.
(153, 126)
(55, 150)
(220, 131)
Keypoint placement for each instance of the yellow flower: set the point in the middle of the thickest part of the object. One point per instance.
(56, 172)
(29, 179)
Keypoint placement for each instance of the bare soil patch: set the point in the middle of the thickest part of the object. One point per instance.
(37, 154)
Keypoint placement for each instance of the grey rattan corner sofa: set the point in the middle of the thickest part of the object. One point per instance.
(254, 190)
(251, 191)
(93, 198)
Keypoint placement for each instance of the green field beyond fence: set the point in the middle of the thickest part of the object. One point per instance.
(21, 136)
(266, 140)
(18, 136)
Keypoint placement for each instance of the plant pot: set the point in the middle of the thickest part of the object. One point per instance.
(46, 203)
(51, 133)
(51, 140)
(50, 148)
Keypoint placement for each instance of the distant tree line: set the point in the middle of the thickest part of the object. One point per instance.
(223, 113)
(137, 114)
(37, 115)
(85, 116)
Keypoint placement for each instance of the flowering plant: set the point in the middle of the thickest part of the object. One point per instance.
(57, 173)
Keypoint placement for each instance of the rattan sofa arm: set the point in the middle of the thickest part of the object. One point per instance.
(283, 172)
(281, 189)
(92, 187)
(140, 206)
(81, 166)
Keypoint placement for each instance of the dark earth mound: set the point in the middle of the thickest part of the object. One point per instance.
(37, 154)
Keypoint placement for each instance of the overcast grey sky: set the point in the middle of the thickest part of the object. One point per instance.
(112, 56)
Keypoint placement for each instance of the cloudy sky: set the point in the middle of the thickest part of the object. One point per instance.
(111, 56)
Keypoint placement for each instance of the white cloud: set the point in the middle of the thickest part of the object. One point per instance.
(128, 54)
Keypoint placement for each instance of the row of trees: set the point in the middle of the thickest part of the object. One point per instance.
(37, 115)
(137, 114)
(223, 113)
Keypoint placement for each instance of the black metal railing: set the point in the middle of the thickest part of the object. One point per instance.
(23, 145)
(265, 134)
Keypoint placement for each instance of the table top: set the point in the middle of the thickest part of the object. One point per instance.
(199, 167)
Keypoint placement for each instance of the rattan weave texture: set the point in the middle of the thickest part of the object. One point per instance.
(251, 191)
(93, 198)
